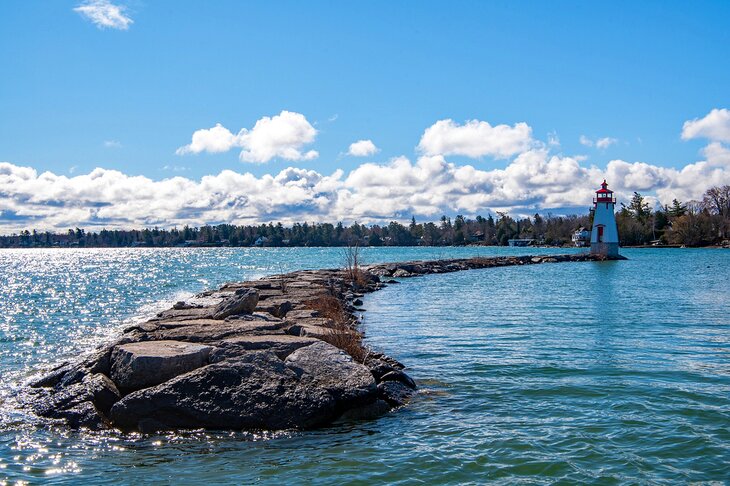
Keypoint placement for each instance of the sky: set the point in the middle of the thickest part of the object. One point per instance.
(132, 113)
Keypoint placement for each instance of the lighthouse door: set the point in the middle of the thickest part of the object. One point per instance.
(600, 234)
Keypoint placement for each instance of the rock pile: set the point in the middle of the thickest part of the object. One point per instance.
(277, 353)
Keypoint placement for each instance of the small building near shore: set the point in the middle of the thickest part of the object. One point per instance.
(581, 237)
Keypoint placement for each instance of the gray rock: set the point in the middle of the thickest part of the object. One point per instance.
(211, 331)
(99, 361)
(277, 307)
(302, 314)
(397, 375)
(331, 369)
(144, 364)
(312, 331)
(395, 393)
(379, 368)
(104, 394)
(255, 391)
(367, 412)
(185, 314)
(67, 402)
(84, 415)
(376, 358)
(244, 301)
(281, 345)
(53, 377)
(181, 305)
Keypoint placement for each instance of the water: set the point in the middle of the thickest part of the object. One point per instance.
(578, 372)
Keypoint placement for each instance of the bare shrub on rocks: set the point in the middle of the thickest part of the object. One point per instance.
(283, 280)
(352, 266)
(340, 332)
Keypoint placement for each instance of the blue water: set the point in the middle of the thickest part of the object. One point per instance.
(607, 372)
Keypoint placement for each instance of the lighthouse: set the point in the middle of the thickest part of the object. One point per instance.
(604, 237)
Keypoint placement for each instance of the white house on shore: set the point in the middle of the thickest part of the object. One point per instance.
(604, 237)
(581, 237)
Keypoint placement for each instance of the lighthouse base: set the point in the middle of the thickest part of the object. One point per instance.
(606, 249)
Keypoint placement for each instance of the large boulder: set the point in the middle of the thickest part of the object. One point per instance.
(210, 331)
(86, 415)
(311, 331)
(243, 301)
(395, 393)
(81, 404)
(149, 363)
(329, 368)
(184, 314)
(397, 375)
(277, 307)
(280, 344)
(254, 391)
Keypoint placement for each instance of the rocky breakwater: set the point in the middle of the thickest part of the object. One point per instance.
(277, 353)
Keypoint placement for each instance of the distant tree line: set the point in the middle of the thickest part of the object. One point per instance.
(692, 223)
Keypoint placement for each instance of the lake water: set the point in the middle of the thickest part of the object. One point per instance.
(608, 372)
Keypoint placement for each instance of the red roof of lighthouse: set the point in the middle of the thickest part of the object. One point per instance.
(604, 188)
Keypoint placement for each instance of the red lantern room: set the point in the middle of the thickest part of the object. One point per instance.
(604, 194)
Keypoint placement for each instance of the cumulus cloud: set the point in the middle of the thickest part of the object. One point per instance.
(362, 148)
(213, 140)
(475, 139)
(104, 14)
(713, 126)
(283, 136)
(601, 143)
(535, 180)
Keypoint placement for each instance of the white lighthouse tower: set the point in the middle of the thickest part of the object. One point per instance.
(604, 237)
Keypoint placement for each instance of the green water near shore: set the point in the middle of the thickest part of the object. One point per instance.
(606, 372)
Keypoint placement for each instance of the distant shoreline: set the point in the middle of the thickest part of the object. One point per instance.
(471, 245)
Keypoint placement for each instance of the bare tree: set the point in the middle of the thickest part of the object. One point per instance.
(352, 264)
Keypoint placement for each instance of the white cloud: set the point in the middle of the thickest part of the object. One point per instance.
(605, 142)
(214, 140)
(362, 148)
(105, 14)
(601, 143)
(112, 144)
(713, 126)
(535, 180)
(475, 139)
(282, 136)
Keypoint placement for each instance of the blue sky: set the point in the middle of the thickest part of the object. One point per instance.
(75, 96)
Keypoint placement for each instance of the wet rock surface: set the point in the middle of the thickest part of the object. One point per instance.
(277, 353)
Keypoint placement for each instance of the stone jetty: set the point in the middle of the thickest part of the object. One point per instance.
(282, 352)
